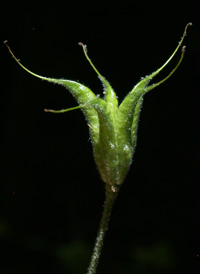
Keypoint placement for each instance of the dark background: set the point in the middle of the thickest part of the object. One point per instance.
(51, 195)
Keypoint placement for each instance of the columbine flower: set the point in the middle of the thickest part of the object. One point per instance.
(113, 131)
(113, 128)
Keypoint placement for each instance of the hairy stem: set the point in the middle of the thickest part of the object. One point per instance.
(109, 201)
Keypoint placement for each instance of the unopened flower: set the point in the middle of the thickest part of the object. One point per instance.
(113, 127)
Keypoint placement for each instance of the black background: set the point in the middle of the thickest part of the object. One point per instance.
(51, 194)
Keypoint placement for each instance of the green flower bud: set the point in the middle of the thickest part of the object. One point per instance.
(113, 128)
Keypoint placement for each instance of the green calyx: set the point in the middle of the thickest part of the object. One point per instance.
(113, 128)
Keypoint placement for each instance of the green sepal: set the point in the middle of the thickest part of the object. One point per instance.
(106, 150)
(126, 125)
(84, 96)
(129, 110)
(110, 96)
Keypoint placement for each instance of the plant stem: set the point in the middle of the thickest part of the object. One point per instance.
(109, 201)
